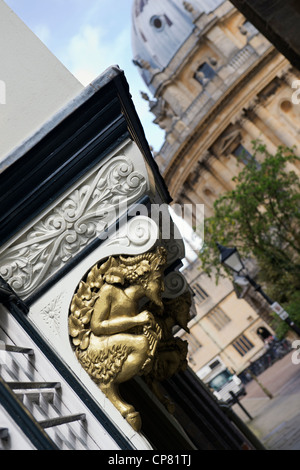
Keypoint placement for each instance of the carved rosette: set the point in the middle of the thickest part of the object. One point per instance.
(51, 314)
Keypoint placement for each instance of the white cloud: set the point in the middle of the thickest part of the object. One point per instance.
(92, 50)
(42, 31)
(89, 52)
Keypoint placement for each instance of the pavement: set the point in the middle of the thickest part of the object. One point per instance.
(276, 420)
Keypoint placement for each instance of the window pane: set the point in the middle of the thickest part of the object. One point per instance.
(204, 73)
(244, 156)
(242, 345)
(201, 295)
(218, 318)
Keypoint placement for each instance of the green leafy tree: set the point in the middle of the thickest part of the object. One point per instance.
(261, 216)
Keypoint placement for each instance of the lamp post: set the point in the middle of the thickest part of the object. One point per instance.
(230, 257)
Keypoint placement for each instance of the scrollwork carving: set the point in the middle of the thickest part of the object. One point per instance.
(175, 284)
(71, 225)
(137, 232)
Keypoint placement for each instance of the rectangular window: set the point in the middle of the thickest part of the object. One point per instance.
(242, 154)
(218, 318)
(201, 295)
(214, 364)
(242, 345)
(204, 73)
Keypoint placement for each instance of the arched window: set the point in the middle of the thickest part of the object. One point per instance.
(263, 333)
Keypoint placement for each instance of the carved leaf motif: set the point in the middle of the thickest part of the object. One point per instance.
(84, 291)
(85, 340)
(75, 326)
(94, 278)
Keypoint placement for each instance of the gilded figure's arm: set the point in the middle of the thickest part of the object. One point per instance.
(102, 324)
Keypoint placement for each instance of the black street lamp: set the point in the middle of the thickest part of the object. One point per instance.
(230, 257)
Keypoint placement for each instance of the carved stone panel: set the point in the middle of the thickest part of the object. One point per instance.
(66, 228)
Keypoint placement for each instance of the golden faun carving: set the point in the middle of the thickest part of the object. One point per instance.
(112, 340)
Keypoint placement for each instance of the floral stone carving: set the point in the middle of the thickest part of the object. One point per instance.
(73, 223)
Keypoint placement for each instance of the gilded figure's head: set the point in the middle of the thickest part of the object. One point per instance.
(145, 270)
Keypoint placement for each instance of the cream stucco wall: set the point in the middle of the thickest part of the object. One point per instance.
(206, 341)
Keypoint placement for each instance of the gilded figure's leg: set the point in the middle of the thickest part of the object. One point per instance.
(138, 348)
(138, 345)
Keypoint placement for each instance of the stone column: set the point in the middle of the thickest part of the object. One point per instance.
(277, 127)
(218, 169)
(257, 134)
(289, 78)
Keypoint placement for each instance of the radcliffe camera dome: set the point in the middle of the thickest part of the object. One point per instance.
(159, 28)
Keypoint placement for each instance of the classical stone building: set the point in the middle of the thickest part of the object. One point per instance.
(224, 326)
(217, 84)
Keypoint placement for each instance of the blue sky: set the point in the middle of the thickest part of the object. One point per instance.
(88, 36)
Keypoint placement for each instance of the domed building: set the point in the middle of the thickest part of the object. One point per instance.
(159, 31)
(217, 85)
